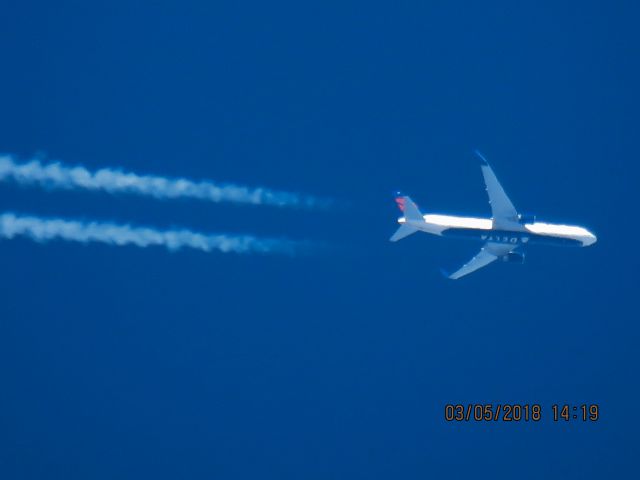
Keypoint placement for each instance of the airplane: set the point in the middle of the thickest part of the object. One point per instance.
(505, 233)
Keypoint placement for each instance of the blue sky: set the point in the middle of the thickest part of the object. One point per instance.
(126, 362)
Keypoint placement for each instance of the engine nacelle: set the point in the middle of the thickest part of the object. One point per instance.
(513, 257)
(526, 218)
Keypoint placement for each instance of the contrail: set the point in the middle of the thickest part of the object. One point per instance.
(58, 175)
(46, 229)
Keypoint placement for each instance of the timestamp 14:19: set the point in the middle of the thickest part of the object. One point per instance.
(582, 412)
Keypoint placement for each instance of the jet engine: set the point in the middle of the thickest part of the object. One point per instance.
(513, 257)
(526, 218)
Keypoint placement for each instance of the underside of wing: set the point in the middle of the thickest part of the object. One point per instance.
(502, 209)
(489, 253)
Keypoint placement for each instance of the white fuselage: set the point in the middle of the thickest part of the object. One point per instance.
(483, 229)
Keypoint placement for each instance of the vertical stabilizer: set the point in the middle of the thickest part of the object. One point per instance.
(409, 208)
(412, 215)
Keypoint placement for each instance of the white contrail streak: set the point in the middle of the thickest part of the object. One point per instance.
(57, 175)
(45, 229)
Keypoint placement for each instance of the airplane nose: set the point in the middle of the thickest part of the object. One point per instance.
(590, 239)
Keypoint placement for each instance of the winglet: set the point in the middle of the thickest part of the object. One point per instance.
(445, 274)
(483, 160)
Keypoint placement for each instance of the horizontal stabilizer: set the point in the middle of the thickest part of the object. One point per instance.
(404, 231)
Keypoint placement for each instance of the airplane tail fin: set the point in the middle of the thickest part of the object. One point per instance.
(411, 214)
(409, 208)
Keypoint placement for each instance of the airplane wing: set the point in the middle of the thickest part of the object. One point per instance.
(503, 212)
(489, 253)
